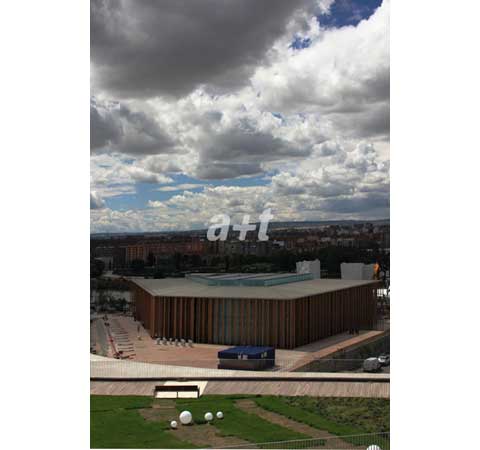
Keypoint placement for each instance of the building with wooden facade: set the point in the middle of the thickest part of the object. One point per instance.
(284, 315)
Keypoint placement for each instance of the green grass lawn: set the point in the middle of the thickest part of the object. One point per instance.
(238, 423)
(339, 416)
(117, 423)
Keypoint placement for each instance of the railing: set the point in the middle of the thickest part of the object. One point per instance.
(373, 441)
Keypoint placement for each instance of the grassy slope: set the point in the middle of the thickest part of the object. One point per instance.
(339, 416)
(116, 423)
(238, 423)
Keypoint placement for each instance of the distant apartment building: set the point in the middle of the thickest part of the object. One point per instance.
(142, 250)
(112, 256)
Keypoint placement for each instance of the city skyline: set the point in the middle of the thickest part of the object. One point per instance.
(200, 110)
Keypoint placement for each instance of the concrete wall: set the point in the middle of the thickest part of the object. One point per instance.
(350, 359)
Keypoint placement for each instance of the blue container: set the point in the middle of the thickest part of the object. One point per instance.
(247, 358)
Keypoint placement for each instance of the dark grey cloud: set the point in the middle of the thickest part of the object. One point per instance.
(144, 48)
(244, 146)
(220, 171)
(115, 128)
(373, 122)
(104, 128)
(359, 95)
(371, 206)
(241, 151)
(360, 204)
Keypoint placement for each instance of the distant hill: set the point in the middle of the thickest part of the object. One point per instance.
(322, 223)
(271, 225)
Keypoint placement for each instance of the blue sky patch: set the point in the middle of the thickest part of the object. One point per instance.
(300, 43)
(157, 192)
(348, 12)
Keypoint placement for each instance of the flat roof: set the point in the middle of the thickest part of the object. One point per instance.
(248, 279)
(184, 287)
(245, 350)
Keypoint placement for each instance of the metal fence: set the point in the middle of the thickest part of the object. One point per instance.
(373, 441)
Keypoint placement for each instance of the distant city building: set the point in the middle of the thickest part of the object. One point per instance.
(298, 241)
(113, 257)
(142, 250)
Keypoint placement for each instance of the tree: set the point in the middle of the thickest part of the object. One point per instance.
(138, 266)
(97, 267)
(150, 260)
(158, 273)
(178, 258)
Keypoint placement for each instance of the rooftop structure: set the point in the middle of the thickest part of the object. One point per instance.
(311, 267)
(357, 271)
(248, 279)
(194, 286)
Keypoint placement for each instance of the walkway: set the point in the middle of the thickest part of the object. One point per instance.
(124, 377)
(328, 347)
(287, 388)
(101, 338)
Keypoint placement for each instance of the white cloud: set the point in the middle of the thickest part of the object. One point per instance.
(314, 121)
(353, 186)
(180, 187)
(96, 202)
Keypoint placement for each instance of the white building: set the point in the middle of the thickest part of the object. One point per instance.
(312, 267)
(357, 271)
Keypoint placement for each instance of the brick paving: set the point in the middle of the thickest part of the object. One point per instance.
(141, 347)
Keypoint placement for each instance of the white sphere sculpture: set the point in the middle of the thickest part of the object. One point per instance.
(373, 447)
(173, 424)
(208, 416)
(186, 417)
(219, 415)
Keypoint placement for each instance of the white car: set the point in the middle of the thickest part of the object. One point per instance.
(371, 365)
(384, 359)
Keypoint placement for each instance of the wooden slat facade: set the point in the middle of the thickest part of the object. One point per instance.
(278, 323)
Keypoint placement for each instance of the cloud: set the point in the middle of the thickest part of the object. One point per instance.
(223, 171)
(144, 176)
(169, 48)
(353, 186)
(218, 93)
(344, 74)
(96, 202)
(114, 175)
(242, 151)
(180, 187)
(114, 127)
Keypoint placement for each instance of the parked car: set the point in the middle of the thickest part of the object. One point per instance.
(384, 359)
(371, 365)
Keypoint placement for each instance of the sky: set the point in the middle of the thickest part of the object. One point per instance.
(215, 107)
